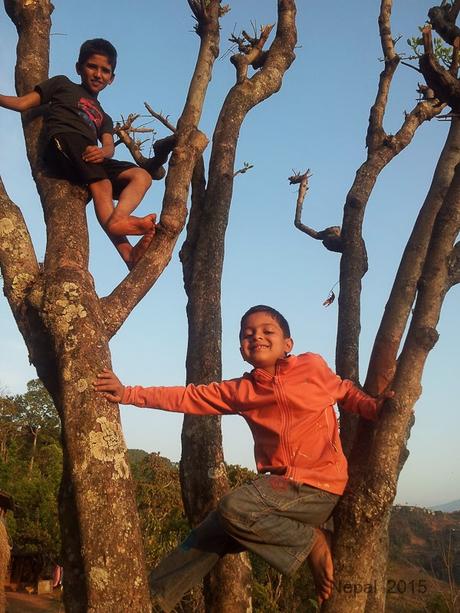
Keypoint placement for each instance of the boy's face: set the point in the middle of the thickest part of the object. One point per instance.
(96, 73)
(262, 341)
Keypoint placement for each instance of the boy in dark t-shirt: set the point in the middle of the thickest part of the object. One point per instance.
(80, 146)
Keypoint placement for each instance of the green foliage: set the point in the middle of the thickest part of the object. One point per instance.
(30, 470)
(275, 593)
(135, 456)
(36, 410)
(442, 52)
(159, 501)
(239, 475)
(437, 604)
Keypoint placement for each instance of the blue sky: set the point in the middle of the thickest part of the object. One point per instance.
(318, 120)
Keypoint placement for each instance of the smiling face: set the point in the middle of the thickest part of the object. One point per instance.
(262, 341)
(96, 73)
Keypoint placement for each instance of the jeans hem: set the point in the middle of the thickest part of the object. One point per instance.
(161, 602)
(298, 561)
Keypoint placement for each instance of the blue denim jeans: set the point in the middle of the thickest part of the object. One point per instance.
(274, 517)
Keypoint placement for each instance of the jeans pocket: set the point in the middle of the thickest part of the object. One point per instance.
(277, 492)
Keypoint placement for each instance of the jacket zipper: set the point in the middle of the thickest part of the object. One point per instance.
(285, 421)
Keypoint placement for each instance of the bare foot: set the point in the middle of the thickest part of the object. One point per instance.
(132, 225)
(320, 562)
(139, 250)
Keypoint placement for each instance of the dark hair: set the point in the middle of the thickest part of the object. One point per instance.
(98, 46)
(263, 308)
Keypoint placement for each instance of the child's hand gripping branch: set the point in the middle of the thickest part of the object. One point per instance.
(109, 385)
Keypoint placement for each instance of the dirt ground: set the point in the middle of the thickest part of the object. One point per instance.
(20, 602)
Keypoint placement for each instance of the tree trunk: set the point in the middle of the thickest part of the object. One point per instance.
(67, 329)
(4, 561)
(203, 475)
(375, 462)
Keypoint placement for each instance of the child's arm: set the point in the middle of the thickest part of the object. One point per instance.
(357, 401)
(350, 397)
(97, 155)
(20, 103)
(212, 399)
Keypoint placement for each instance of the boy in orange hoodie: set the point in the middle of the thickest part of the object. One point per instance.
(288, 403)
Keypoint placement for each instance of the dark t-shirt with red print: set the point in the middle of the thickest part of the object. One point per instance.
(71, 108)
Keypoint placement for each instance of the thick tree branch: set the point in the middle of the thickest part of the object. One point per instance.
(398, 308)
(190, 145)
(443, 82)
(18, 261)
(443, 19)
(454, 11)
(23, 287)
(376, 133)
(422, 335)
(375, 461)
(382, 148)
(202, 472)
(208, 31)
(202, 253)
(189, 248)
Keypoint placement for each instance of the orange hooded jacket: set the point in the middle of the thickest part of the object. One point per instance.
(290, 414)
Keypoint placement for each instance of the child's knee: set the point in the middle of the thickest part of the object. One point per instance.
(228, 508)
(144, 178)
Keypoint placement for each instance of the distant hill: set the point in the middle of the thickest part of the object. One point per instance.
(136, 455)
(449, 507)
(424, 561)
(423, 537)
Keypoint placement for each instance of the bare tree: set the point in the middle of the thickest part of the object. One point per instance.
(429, 267)
(67, 327)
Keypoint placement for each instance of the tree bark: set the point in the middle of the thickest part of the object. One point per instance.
(382, 363)
(381, 149)
(363, 514)
(4, 561)
(375, 463)
(67, 329)
(203, 474)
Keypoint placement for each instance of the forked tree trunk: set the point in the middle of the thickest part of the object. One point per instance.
(361, 538)
(67, 329)
(376, 460)
(379, 452)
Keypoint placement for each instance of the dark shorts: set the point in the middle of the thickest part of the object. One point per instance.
(63, 157)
